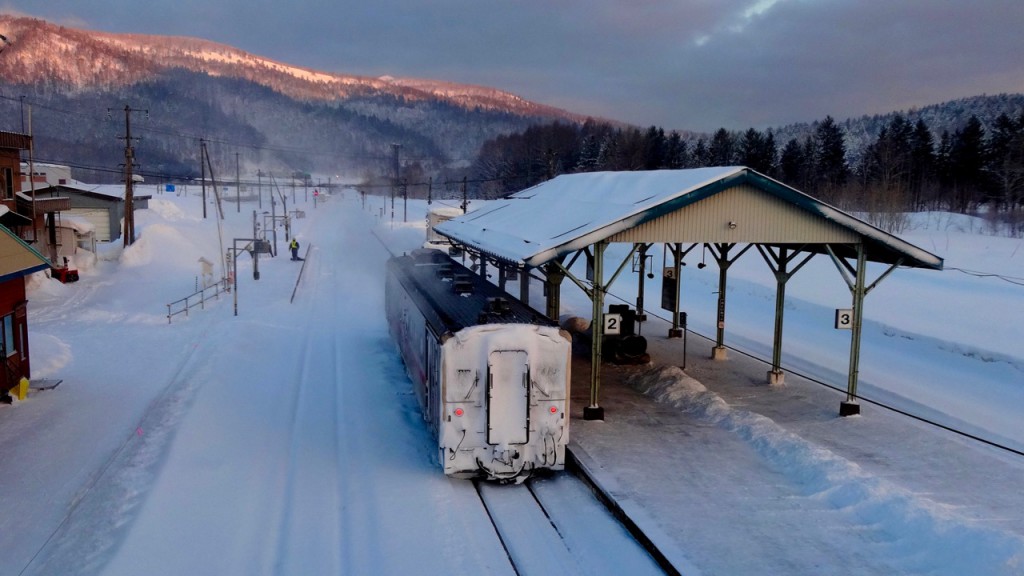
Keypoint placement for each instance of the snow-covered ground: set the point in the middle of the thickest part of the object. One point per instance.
(285, 440)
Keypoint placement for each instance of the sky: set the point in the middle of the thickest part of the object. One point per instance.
(682, 64)
(275, 431)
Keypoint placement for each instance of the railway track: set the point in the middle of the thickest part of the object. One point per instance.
(555, 525)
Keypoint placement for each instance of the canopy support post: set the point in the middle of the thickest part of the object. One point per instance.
(524, 285)
(722, 257)
(859, 291)
(850, 407)
(641, 316)
(677, 264)
(553, 287)
(594, 411)
(779, 264)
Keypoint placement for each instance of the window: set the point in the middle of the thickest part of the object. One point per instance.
(8, 182)
(10, 346)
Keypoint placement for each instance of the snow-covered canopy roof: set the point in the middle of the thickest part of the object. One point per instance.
(570, 212)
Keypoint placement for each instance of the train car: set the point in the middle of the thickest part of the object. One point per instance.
(490, 373)
(436, 216)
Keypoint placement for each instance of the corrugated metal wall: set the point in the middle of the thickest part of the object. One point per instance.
(757, 218)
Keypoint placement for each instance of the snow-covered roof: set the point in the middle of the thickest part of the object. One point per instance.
(17, 258)
(107, 191)
(570, 212)
(79, 224)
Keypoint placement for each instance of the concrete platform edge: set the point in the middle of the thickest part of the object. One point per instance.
(633, 517)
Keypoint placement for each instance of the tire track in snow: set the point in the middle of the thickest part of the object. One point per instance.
(106, 505)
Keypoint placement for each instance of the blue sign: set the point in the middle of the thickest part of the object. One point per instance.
(169, 188)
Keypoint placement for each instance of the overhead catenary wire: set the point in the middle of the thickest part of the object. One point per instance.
(366, 186)
(974, 273)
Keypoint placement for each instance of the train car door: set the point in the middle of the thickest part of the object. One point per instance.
(508, 397)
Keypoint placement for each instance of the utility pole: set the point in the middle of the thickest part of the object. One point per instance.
(213, 183)
(202, 162)
(32, 171)
(259, 187)
(129, 159)
(273, 213)
(238, 187)
(396, 168)
(465, 198)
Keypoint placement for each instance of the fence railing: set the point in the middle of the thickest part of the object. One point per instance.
(197, 298)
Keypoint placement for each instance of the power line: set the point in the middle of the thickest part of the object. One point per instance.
(976, 274)
(197, 137)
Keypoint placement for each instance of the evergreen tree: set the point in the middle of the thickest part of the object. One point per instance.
(810, 166)
(967, 164)
(830, 168)
(589, 156)
(606, 158)
(922, 164)
(700, 156)
(1006, 161)
(654, 146)
(722, 151)
(885, 169)
(792, 163)
(676, 152)
(757, 151)
(944, 170)
(771, 154)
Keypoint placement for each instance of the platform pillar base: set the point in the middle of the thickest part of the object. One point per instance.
(719, 353)
(776, 378)
(675, 332)
(593, 413)
(849, 408)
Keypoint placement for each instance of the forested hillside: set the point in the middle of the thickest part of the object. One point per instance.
(251, 111)
(964, 156)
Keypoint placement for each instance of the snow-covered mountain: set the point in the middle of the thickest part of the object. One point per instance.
(74, 58)
(239, 102)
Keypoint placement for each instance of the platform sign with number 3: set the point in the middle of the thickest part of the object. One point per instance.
(844, 318)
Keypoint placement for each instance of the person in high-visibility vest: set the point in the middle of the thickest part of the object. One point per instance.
(294, 245)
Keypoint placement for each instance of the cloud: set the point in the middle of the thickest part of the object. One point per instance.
(694, 64)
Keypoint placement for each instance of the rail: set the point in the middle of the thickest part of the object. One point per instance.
(301, 270)
(197, 298)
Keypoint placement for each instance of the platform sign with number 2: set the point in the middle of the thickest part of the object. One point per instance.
(613, 324)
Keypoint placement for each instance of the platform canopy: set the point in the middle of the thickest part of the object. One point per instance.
(719, 208)
(723, 204)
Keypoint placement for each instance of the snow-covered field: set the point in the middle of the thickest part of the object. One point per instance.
(284, 440)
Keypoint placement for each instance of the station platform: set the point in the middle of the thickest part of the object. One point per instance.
(728, 475)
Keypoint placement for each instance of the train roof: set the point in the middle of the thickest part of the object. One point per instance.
(453, 297)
